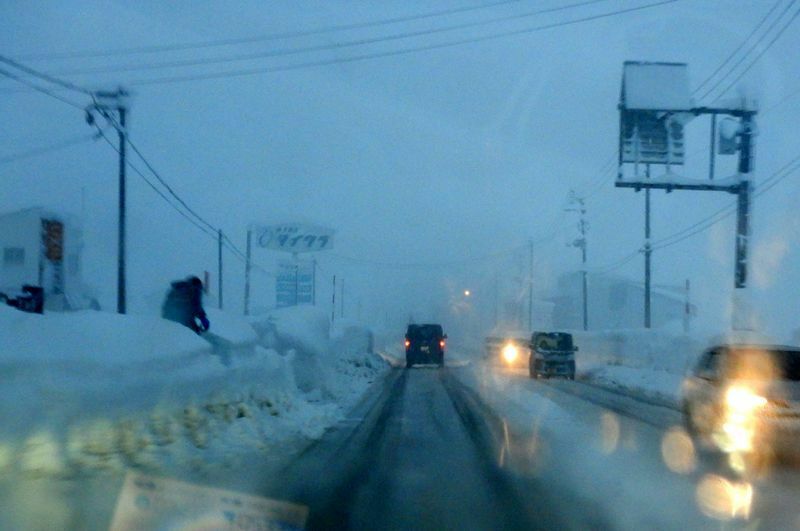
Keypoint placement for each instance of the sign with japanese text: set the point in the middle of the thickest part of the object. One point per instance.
(295, 238)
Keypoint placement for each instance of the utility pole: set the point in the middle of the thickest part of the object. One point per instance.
(219, 267)
(687, 309)
(648, 251)
(106, 103)
(341, 312)
(530, 288)
(247, 269)
(581, 244)
(333, 301)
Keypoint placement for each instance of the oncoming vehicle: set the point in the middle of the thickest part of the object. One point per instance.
(552, 354)
(511, 351)
(425, 343)
(745, 400)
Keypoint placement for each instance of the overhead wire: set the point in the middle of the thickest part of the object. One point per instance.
(44, 77)
(258, 38)
(753, 47)
(760, 55)
(390, 53)
(38, 88)
(738, 48)
(284, 52)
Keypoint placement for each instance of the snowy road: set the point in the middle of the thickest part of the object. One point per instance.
(469, 448)
(422, 456)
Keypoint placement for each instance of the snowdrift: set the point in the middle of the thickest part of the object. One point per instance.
(93, 390)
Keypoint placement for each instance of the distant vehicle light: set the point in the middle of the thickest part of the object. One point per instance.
(442, 343)
(408, 344)
(510, 353)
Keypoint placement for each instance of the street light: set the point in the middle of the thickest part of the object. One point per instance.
(467, 293)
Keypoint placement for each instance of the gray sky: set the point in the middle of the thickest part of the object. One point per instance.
(448, 154)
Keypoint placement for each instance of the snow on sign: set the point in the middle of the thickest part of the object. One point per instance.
(149, 502)
(654, 106)
(295, 238)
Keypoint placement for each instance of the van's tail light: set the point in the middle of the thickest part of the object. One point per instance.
(408, 344)
(442, 343)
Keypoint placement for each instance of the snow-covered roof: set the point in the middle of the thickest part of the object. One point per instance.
(655, 86)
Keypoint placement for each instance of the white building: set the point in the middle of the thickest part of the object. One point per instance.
(615, 303)
(42, 248)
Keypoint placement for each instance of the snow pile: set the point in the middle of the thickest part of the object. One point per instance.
(93, 391)
(89, 337)
(649, 363)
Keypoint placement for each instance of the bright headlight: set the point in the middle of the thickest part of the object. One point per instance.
(510, 353)
(743, 400)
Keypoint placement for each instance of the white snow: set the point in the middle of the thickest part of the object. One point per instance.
(647, 363)
(92, 390)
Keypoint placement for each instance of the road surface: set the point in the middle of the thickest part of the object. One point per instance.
(482, 448)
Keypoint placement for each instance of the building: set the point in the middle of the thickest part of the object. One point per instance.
(615, 303)
(42, 248)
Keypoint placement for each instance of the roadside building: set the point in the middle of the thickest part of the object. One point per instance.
(43, 248)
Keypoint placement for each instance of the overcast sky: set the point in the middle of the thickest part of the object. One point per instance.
(450, 154)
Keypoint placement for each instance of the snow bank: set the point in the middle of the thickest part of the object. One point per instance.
(93, 390)
(649, 363)
(91, 337)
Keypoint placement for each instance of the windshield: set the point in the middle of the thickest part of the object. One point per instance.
(755, 363)
(399, 264)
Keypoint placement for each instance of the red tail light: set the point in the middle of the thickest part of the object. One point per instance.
(442, 343)
(408, 344)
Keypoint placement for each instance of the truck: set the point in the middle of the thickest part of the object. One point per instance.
(552, 354)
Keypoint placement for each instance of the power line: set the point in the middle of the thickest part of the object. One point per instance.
(392, 53)
(205, 230)
(755, 45)
(45, 77)
(738, 48)
(321, 47)
(760, 55)
(258, 38)
(38, 88)
(47, 149)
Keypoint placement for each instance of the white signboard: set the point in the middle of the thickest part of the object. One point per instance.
(149, 502)
(294, 284)
(295, 238)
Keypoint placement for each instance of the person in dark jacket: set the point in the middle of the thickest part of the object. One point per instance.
(184, 304)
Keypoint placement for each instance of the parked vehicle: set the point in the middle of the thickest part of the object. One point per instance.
(552, 354)
(745, 399)
(425, 343)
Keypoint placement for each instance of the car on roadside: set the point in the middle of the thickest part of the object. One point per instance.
(509, 350)
(744, 400)
(425, 344)
(552, 354)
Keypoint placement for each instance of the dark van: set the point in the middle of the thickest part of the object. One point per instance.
(425, 343)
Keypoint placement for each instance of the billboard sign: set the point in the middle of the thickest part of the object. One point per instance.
(295, 283)
(295, 238)
(652, 138)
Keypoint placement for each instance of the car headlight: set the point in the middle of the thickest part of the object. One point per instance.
(510, 353)
(743, 400)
